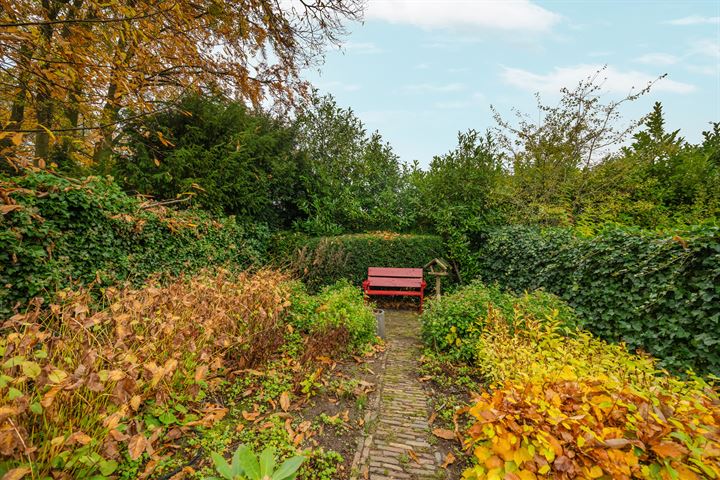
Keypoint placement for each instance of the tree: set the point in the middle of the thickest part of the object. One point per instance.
(353, 179)
(233, 161)
(551, 158)
(72, 70)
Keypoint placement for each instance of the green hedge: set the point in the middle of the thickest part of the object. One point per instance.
(63, 232)
(659, 292)
(324, 260)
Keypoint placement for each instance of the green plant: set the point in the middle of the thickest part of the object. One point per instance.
(454, 323)
(655, 291)
(247, 466)
(63, 232)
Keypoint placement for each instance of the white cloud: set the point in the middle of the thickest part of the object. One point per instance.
(616, 81)
(362, 48)
(695, 20)
(494, 14)
(658, 59)
(705, 69)
(422, 66)
(433, 88)
(708, 47)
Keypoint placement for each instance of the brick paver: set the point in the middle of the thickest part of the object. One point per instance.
(396, 446)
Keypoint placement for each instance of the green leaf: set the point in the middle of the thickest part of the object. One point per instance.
(288, 469)
(107, 467)
(248, 462)
(267, 462)
(31, 369)
(221, 466)
(14, 393)
(36, 408)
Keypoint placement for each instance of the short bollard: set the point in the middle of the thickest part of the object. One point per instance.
(380, 318)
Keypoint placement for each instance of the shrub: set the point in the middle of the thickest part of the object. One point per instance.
(338, 307)
(568, 405)
(57, 232)
(454, 323)
(324, 260)
(652, 290)
(83, 385)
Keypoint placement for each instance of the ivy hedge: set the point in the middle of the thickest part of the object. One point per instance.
(323, 261)
(57, 232)
(655, 291)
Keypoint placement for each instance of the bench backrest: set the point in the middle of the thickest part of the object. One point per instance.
(395, 277)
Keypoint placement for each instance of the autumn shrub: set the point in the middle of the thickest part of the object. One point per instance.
(322, 261)
(58, 232)
(657, 291)
(563, 404)
(454, 324)
(85, 391)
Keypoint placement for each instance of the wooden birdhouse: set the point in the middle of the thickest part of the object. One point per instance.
(437, 268)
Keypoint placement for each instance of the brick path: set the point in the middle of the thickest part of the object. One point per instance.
(396, 446)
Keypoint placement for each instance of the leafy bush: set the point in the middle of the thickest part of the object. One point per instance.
(324, 260)
(338, 307)
(568, 405)
(83, 385)
(56, 232)
(656, 291)
(455, 323)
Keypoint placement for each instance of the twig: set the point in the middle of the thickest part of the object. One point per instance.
(165, 202)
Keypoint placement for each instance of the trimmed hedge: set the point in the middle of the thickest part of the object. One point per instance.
(659, 292)
(323, 261)
(56, 232)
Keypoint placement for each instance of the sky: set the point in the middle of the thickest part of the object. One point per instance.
(420, 71)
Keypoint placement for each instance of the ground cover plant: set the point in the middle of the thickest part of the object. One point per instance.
(112, 392)
(560, 403)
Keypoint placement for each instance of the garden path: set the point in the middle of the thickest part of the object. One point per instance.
(397, 445)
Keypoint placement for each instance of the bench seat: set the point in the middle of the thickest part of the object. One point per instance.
(395, 282)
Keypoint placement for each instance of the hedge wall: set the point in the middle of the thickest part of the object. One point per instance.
(654, 291)
(324, 260)
(55, 232)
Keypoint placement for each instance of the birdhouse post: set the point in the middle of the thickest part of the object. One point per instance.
(438, 268)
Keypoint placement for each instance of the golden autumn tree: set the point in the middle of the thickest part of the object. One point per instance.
(72, 71)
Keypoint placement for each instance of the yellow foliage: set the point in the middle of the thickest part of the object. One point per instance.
(568, 405)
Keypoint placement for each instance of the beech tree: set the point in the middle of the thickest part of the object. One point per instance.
(71, 71)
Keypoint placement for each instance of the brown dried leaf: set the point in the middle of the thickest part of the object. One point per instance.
(285, 401)
(444, 433)
(136, 446)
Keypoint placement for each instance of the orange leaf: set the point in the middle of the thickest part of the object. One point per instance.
(449, 459)
(669, 449)
(136, 446)
(444, 433)
(285, 401)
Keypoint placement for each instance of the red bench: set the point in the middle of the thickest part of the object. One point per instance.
(395, 282)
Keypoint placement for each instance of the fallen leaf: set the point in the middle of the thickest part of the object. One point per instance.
(285, 401)
(669, 449)
(16, 473)
(136, 446)
(444, 433)
(449, 459)
(411, 453)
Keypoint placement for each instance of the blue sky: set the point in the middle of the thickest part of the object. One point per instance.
(419, 71)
